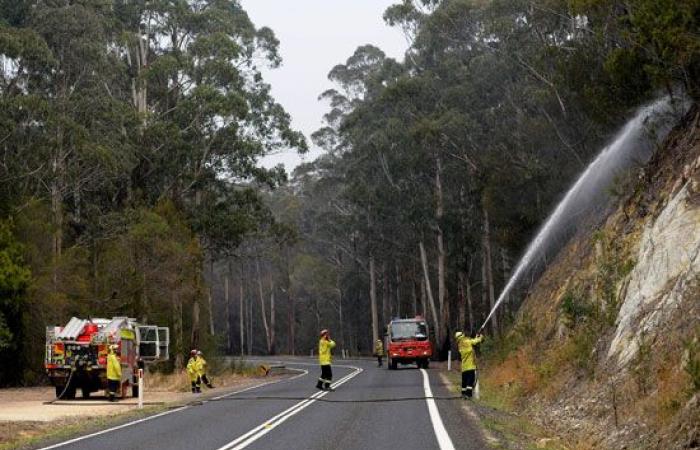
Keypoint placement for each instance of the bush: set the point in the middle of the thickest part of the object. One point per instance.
(576, 308)
(692, 364)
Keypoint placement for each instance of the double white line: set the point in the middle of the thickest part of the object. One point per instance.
(267, 426)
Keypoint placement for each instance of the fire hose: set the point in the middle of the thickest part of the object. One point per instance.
(73, 369)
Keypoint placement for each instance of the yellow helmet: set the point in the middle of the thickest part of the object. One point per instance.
(458, 335)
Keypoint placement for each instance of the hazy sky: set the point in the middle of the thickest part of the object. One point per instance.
(316, 35)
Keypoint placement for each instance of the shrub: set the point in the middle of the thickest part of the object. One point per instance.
(692, 364)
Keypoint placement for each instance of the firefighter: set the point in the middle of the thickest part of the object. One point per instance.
(379, 352)
(202, 370)
(466, 351)
(325, 346)
(193, 372)
(114, 373)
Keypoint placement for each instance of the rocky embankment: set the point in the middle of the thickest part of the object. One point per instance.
(606, 347)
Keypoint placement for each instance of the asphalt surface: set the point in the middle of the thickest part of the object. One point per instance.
(292, 414)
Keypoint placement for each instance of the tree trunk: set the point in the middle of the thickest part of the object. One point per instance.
(262, 305)
(228, 314)
(414, 296)
(194, 339)
(442, 285)
(470, 312)
(505, 266)
(210, 295)
(271, 349)
(423, 307)
(487, 270)
(398, 289)
(386, 314)
(339, 289)
(58, 173)
(373, 299)
(290, 307)
(177, 331)
(462, 306)
(250, 323)
(429, 292)
(241, 310)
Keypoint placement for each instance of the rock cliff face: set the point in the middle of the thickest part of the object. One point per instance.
(605, 347)
(667, 268)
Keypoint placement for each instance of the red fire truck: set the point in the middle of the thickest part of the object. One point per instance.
(408, 342)
(76, 354)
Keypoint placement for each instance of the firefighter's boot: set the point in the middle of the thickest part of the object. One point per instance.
(319, 385)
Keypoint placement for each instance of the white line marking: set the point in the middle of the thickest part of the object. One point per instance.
(119, 427)
(165, 413)
(443, 438)
(256, 433)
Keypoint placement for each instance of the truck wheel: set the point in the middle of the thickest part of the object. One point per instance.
(393, 365)
(70, 393)
(59, 391)
(426, 363)
(85, 391)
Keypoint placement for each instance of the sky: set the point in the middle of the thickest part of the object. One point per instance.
(315, 35)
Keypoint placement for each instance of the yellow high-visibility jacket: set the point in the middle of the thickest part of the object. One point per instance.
(114, 367)
(324, 351)
(201, 366)
(193, 368)
(379, 349)
(466, 351)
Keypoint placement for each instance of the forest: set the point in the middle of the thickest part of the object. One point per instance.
(131, 134)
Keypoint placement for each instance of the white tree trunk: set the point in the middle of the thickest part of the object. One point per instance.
(241, 310)
(262, 304)
(442, 286)
(428, 289)
(373, 300)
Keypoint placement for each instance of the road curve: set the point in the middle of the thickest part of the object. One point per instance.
(363, 413)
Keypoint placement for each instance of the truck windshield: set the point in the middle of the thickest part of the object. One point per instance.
(409, 331)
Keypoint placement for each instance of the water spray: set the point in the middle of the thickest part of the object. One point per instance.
(629, 145)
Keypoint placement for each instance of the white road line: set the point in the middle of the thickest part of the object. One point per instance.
(165, 413)
(256, 433)
(443, 438)
(119, 427)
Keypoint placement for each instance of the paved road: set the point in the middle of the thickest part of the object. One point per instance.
(301, 417)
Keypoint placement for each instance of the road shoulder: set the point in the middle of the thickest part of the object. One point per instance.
(499, 428)
(94, 416)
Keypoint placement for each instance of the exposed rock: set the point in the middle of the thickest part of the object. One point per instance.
(667, 261)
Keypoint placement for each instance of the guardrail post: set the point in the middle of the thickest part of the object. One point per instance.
(142, 386)
(449, 360)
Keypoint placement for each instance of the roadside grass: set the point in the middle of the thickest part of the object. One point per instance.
(496, 413)
(221, 373)
(21, 435)
(68, 428)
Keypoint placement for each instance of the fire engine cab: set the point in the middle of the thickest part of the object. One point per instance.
(408, 342)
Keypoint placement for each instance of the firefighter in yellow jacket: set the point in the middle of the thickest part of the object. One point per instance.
(466, 351)
(325, 346)
(114, 373)
(379, 352)
(193, 372)
(202, 370)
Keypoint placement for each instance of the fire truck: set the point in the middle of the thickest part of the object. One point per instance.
(408, 342)
(76, 354)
